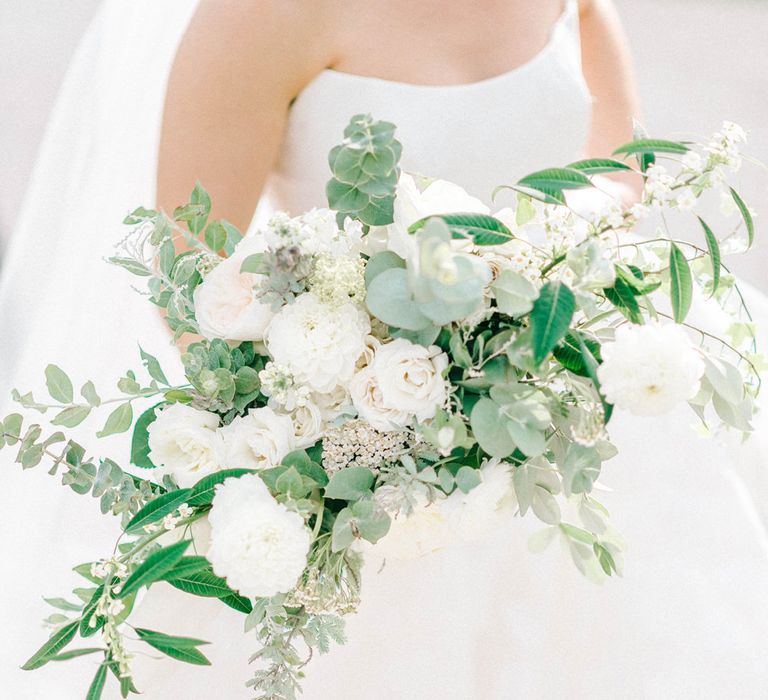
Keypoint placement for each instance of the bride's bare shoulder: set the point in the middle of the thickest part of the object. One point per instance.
(282, 37)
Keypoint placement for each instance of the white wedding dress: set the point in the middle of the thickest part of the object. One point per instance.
(487, 621)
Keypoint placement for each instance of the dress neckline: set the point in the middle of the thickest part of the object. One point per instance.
(563, 20)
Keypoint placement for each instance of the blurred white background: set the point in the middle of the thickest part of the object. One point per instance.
(697, 61)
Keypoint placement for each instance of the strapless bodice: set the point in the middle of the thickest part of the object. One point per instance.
(479, 134)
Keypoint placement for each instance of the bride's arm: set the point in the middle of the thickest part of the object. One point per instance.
(609, 74)
(608, 70)
(237, 69)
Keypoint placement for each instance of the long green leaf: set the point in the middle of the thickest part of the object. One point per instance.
(202, 493)
(53, 646)
(550, 318)
(595, 166)
(623, 297)
(481, 228)
(568, 353)
(746, 215)
(681, 283)
(651, 146)
(157, 508)
(150, 636)
(74, 653)
(154, 566)
(555, 178)
(97, 686)
(185, 567)
(714, 253)
(204, 583)
(590, 364)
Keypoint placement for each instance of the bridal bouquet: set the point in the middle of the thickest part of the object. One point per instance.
(380, 378)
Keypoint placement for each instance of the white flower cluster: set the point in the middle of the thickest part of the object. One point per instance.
(466, 517)
(190, 444)
(257, 544)
(650, 369)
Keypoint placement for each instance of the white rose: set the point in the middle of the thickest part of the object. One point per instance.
(320, 344)
(487, 506)
(439, 197)
(226, 305)
(185, 443)
(257, 544)
(258, 440)
(650, 369)
(405, 380)
(369, 402)
(308, 424)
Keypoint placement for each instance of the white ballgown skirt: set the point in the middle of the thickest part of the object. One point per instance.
(486, 621)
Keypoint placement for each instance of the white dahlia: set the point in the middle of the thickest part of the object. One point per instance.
(318, 343)
(650, 369)
(257, 544)
(185, 442)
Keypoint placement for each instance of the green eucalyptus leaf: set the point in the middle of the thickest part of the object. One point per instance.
(216, 236)
(153, 367)
(389, 299)
(118, 421)
(140, 440)
(72, 416)
(58, 383)
(467, 478)
(514, 294)
(490, 429)
(350, 484)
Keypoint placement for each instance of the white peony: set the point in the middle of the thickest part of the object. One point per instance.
(318, 343)
(404, 381)
(257, 544)
(650, 369)
(226, 305)
(258, 440)
(486, 507)
(185, 443)
(439, 197)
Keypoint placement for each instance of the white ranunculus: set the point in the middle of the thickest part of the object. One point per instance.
(650, 369)
(186, 443)
(409, 378)
(257, 544)
(319, 343)
(369, 402)
(226, 305)
(486, 507)
(258, 440)
(439, 197)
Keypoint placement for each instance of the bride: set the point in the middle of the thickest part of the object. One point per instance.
(257, 94)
